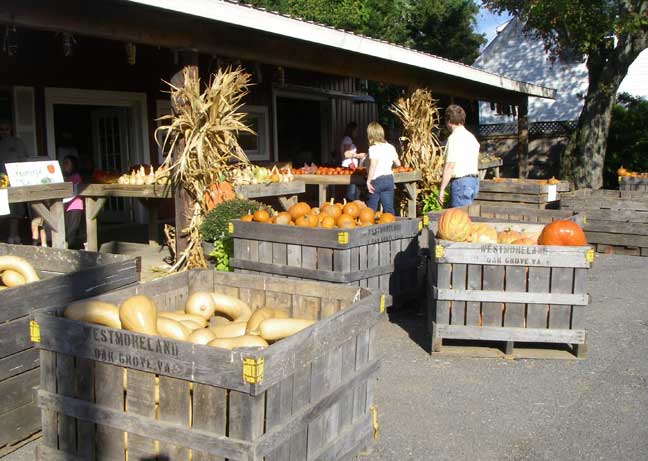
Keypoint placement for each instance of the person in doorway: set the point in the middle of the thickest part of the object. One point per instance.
(74, 207)
(462, 153)
(12, 150)
(380, 179)
(351, 158)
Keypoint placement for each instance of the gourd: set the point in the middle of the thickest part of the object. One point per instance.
(259, 315)
(11, 278)
(366, 215)
(275, 329)
(97, 312)
(229, 331)
(482, 233)
(205, 304)
(351, 209)
(239, 341)
(454, 225)
(345, 221)
(508, 236)
(261, 216)
(201, 336)
(386, 218)
(563, 233)
(524, 241)
(20, 265)
(182, 317)
(138, 313)
(172, 329)
(191, 325)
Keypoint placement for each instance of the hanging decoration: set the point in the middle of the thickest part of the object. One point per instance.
(68, 43)
(10, 42)
(131, 53)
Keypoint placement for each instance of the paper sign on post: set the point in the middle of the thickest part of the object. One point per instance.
(34, 173)
(4, 202)
(552, 193)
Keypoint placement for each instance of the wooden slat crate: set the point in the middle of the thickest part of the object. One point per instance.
(525, 192)
(66, 275)
(118, 395)
(508, 293)
(382, 257)
(617, 221)
(628, 183)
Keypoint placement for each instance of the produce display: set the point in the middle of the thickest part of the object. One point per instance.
(488, 158)
(137, 175)
(251, 174)
(455, 225)
(622, 172)
(330, 215)
(339, 170)
(16, 271)
(550, 181)
(235, 325)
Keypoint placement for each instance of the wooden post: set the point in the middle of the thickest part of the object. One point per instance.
(187, 59)
(523, 138)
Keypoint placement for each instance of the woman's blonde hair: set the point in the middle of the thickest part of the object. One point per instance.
(375, 133)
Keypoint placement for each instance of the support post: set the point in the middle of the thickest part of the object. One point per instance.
(523, 138)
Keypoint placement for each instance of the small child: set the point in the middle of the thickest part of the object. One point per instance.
(74, 206)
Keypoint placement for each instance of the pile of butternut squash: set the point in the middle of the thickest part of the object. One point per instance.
(16, 271)
(234, 324)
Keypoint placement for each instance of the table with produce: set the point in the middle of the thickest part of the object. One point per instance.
(489, 162)
(47, 201)
(323, 177)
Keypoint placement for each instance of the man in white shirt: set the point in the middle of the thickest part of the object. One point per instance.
(462, 157)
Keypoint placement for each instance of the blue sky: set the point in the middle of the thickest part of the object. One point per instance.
(487, 22)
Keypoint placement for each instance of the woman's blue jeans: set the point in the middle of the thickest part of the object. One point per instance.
(383, 193)
(463, 191)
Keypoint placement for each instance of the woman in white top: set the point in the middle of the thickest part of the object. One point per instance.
(351, 158)
(380, 179)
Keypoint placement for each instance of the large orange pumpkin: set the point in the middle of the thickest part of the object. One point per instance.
(303, 221)
(508, 236)
(563, 233)
(261, 216)
(482, 233)
(455, 225)
(334, 211)
(298, 210)
(351, 209)
(366, 215)
(328, 222)
(218, 193)
(345, 221)
(386, 218)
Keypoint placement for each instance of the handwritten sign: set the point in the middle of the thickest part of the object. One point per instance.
(34, 173)
(4, 202)
(552, 194)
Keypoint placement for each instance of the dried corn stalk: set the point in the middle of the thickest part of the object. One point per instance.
(421, 148)
(202, 139)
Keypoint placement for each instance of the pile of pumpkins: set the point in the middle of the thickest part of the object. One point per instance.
(234, 324)
(141, 175)
(16, 271)
(455, 225)
(551, 181)
(622, 172)
(330, 215)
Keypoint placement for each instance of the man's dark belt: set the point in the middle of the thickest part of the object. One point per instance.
(467, 176)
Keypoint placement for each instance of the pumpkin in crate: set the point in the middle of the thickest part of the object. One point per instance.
(562, 233)
(386, 218)
(508, 236)
(218, 193)
(454, 225)
(524, 241)
(482, 233)
(298, 210)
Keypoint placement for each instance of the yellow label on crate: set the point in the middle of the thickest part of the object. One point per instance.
(382, 304)
(374, 421)
(343, 238)
(589, 256)
(34, 331)
(253, 370)
(230, 227)
(584, 219)
(426, 220)
(438, 251)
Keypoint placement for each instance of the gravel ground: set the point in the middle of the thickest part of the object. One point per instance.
(496, 409)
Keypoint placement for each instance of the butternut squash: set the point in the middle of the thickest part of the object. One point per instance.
(172, 329)
(97, 312)
(139, 313)
(230, 330)
(20, 265)
(12, 278)
(206, 304)
(201, 336)
(275, 329)
(200, 303)
(239, 341)
(182, 317)
(260, 315)
(191, 325)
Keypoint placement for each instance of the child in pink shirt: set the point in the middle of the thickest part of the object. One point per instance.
(74, 207)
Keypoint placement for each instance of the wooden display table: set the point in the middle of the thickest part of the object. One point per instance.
(150, 196)
(492, 164)
(520, 192)
(47, 201)
(407, 180)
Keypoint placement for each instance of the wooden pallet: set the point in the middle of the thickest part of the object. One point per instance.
(617, 221)
(520, 192)
(382, 257)
(66, 275)
(112, 394)
(507, 293)
(628, 183)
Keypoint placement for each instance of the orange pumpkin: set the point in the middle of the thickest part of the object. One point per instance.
(553, 181)
(366, 215)
(454, 225)
(524, 241)
(247, 218)
(386, 218)
(328, 222)
(508, 236)
(283, 218)
(298, 210)
(345, 221)
(261, 216)
(313, 220)
(360, 203)
(333, 211)
(562, 233)
(622, 171)
(303, 221)
(351, 209)
(218, 193)
(482, 233)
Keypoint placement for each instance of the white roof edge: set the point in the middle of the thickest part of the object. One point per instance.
(274, 23)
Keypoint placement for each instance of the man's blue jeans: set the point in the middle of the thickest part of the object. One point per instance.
(463, 191)
(383, 193)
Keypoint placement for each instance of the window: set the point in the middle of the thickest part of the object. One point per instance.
(256, 146)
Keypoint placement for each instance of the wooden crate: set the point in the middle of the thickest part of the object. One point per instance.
(112, 394)
(66, 275)
(628, 183)
(617, 221)
(521, 192)
(508, 293)
(382, 257)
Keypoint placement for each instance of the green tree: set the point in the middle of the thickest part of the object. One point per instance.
(609, 34)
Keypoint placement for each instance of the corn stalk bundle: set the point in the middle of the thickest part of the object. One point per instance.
(202, 140)
(422, 151)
